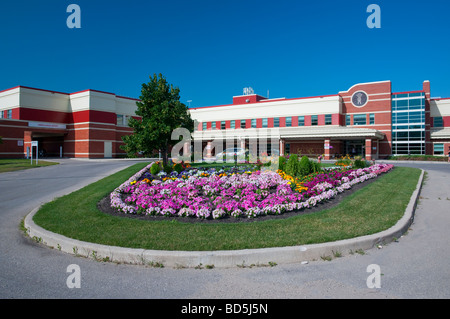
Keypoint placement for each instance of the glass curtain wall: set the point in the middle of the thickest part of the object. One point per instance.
(408, 124)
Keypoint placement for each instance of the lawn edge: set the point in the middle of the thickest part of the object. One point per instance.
(223, 258)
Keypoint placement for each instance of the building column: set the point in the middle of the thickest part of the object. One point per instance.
(242, 143)
(27, 138)
(326, 148)
(209, 148)
(369, 149)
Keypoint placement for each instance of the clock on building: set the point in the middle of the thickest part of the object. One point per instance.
(360, 98)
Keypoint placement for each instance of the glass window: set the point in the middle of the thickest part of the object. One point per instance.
(415, 102)
(119, 119)
(348, 118)
(288, 121)
(287, 147)
(276, 122)
(264, 122)
(328, 119)
(314, 120)
(213, 125)
(1, 114)
(253, 123)
(233, 124)
(204, 126)
(301, 121)
(438, 121)
(371, 118)
(9, 114)
(223, 125)
(359, 119)
(243, 124)
(438, 149)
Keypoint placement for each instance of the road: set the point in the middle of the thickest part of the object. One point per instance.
(414, 267)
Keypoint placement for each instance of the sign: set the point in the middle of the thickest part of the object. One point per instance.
(47, 125)
(360, 98)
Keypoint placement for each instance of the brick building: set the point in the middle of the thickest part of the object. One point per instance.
(86, 124)
(368, 120)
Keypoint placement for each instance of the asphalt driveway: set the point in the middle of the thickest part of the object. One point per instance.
(414, 267)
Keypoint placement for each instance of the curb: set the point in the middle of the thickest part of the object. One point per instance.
(222, 258)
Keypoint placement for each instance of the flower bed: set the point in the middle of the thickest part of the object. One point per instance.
(216, 194)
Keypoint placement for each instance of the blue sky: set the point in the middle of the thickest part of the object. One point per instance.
(213, 49)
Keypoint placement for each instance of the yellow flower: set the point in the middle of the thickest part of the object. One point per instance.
(133, 182)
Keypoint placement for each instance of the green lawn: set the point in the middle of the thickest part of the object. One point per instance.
(374, 208)
(10, 165)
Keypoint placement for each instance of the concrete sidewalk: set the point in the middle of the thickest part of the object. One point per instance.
(223, 259)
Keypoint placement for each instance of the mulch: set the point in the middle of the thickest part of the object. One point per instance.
(105, 206)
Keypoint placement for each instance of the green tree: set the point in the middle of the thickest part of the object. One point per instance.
(160, 112)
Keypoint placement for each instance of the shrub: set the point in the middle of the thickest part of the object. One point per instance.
(178, 168)
(315, 167)
(168, 168)
(359, 164)
(292, 165)
(282, 163)
(305, 166)
(155, 168)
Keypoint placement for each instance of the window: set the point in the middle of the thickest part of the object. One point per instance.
(1, 114)
(301, 121)
(371, 118)
(438, 149)
(438, 122)
(408, 123)
(276, 122)
(314, 120)
(359, 119)
(288, 121)
(204, 126)
(119, 119)
(9, 114)
(213, 125)
(243, 125)
(287, 147)
(264, 122)
(253, 123)
(328, 119)
(223, 125)
(233, 124)
(348, 119)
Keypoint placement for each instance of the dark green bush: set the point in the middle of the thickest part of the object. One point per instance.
(178, 168)
(305, 166)
(155, 169)
(168, 168)
(315, 167)
(359, 164)
(292, 165)
(282, 163)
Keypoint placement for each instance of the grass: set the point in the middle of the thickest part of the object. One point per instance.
(10, 165)
(371, 209)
